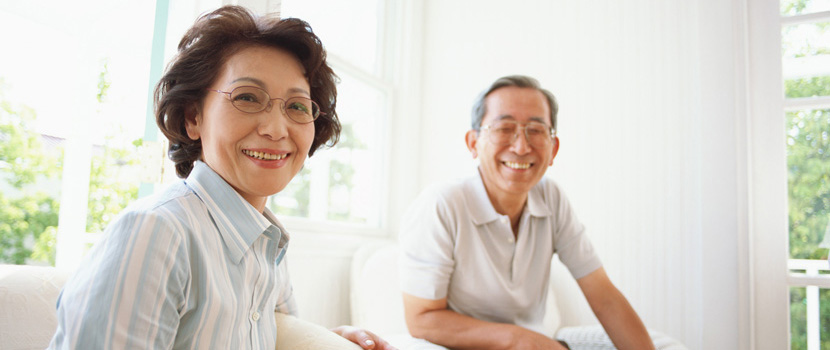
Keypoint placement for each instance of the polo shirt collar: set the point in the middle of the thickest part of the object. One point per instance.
(238, 222)
(482, 211)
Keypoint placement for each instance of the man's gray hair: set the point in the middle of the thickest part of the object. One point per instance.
(522, 81)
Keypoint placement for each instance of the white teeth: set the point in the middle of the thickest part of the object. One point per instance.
(263, 155)
(515, 165)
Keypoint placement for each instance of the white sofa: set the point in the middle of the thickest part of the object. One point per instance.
(28, 295)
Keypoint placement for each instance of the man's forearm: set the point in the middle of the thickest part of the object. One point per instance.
(613, 311)
(623, 326)
(456, 331)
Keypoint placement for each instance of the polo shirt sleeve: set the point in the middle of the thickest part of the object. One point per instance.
(570, 241)
(426, 261)
(129, 291)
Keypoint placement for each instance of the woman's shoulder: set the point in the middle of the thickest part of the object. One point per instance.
(174, 208)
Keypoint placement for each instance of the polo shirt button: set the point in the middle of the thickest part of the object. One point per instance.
(505, 220)
(255, 316)
(510, 239)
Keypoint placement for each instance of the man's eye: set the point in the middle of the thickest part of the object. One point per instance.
(536, 131)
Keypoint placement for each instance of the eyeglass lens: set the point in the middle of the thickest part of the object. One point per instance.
(251, 99)
(505, 132)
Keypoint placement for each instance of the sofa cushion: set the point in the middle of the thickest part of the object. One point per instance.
(28, 296)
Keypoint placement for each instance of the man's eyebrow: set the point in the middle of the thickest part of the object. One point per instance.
(510, 117)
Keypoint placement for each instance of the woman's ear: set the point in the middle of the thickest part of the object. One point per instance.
(193, 123)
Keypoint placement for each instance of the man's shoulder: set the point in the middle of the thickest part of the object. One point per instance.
(448, 191)
(548, 193)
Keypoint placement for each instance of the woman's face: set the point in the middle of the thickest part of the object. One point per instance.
(256, 153)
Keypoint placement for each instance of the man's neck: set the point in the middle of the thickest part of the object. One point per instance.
(508, 204)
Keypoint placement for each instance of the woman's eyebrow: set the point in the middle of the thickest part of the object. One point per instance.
(253, 80)
(262, 84)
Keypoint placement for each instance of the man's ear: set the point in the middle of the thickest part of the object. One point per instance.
(471, 138)
(555, 149)
(193, 123)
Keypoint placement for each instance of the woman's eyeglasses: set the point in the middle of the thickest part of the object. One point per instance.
(251, 99)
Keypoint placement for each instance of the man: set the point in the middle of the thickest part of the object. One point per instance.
(476, 254)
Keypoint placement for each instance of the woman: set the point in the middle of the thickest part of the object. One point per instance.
(243, 104)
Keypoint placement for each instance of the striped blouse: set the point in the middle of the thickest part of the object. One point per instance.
(195, 267)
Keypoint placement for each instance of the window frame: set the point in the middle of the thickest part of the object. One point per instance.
(767, 324)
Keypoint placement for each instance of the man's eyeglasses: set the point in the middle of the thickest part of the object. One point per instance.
(251, 99)
(504, 132)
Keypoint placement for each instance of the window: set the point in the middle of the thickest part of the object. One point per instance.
(86, 128)
(343, 184)
(72, 94)
(805, 34)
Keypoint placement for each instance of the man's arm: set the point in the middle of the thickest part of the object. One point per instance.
(431, 320)
(616, 315)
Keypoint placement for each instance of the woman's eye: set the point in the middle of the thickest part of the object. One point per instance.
(246, 97)
(299, 107)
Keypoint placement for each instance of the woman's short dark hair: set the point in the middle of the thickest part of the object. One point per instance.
(206, 47)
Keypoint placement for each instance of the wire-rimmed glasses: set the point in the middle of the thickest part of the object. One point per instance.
(251, 99)
(504, 132)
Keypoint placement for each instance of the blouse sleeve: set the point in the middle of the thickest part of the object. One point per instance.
(129, 291)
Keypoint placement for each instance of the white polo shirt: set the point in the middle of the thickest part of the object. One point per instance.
(455, 245)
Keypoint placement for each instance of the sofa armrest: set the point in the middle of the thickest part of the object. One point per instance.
(28, 298)
(296, 334)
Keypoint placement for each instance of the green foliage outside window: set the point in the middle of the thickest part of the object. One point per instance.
(808, 166)
(28, 215)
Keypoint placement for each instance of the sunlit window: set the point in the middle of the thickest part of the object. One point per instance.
(73, 90)
(805, 35)
(343, 184)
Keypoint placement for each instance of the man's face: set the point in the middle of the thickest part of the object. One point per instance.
(512, 169)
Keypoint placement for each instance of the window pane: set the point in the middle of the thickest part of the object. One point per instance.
(798, 7)
(84, 79)
(806, 59)
(348, 29)
(342, 183)
(808, 162)
(809, 317)
(355, 173)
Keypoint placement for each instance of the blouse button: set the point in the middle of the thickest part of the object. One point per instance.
(255, 316)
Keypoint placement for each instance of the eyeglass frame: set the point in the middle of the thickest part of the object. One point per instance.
(270, 106)
(488, 127)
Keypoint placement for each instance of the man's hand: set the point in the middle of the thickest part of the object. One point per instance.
(362, 337)
(528, 340)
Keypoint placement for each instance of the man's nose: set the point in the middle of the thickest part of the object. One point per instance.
(520, 143)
